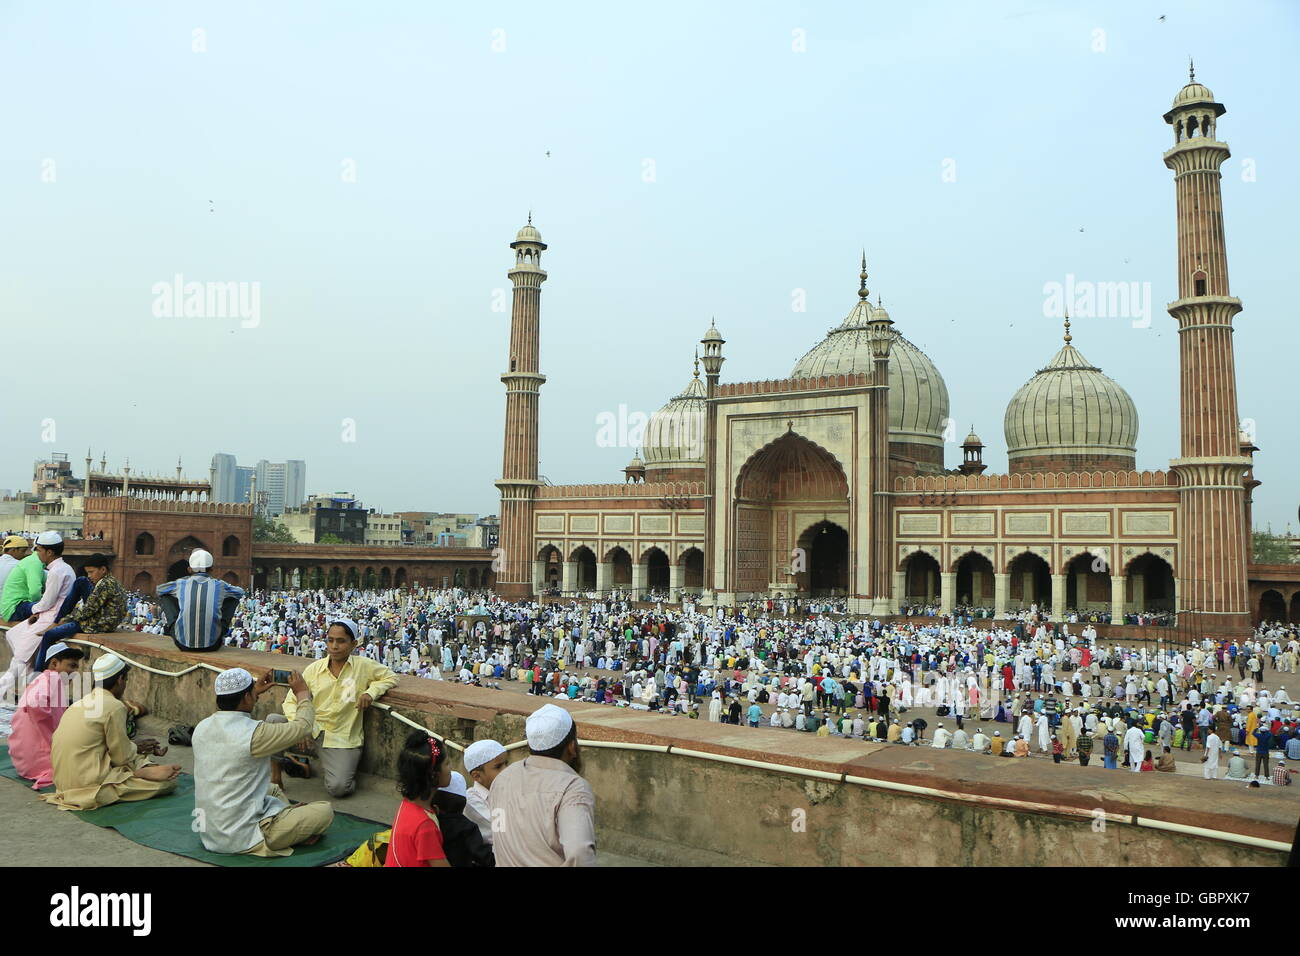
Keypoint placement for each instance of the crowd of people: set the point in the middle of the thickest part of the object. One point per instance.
(1024, 687)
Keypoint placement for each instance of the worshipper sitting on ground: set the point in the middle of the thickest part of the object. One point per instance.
(461, 840)
(343, 685)
(198, 608)
(59, 596)
(1237, 768)
(39, 713)
(1281, 775)
(94, 761)
(241, 809)
(547, 810)
(102, 610)
(422, 770)
(484, 761)
(1165, 762)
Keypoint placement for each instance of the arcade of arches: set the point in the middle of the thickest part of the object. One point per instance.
(775, 546)
(653, 570)
(1086, 583)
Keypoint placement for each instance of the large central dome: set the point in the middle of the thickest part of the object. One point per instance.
(918, 397)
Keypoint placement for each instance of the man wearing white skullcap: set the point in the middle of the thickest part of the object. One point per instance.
(484, 761)
(242, 809)
(546, 810)
(95, 763)
(199, 607)
(57, 598)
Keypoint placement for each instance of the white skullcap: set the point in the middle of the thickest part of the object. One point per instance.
(106, 666)
(200, 560)
(49, 537)
(547, 727)
(457, 785)
(347, 622)
(54, 650)
(480, 752)
(233, 681)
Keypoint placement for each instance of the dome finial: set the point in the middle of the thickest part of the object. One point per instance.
(697, 363)
(530, 217)
(1068, 338)
(1191, 69)
(863, 292)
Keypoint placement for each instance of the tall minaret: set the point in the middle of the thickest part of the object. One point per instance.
(881, 335)
(1213, 596)
(518, 484)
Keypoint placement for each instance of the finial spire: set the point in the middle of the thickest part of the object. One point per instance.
(530, 217)
(1191, 69)
(697, 363)
(863, 292)
(1068, 337)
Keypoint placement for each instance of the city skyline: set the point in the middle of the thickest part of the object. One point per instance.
(379, 343)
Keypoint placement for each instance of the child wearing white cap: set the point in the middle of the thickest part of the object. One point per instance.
(484, 761)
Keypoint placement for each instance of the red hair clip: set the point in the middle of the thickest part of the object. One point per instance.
(434, 750)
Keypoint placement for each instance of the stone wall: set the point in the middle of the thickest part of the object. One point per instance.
(675, 808)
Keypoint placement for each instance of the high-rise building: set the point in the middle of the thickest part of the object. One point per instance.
(284, 483)
(230, 480)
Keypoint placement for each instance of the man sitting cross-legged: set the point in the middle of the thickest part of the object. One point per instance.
(238, 808)
(94, 761)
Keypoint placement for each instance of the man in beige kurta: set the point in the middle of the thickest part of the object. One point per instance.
(94, 761)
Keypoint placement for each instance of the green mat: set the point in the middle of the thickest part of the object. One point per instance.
(164, 823)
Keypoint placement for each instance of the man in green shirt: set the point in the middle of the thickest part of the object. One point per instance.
(22, 588)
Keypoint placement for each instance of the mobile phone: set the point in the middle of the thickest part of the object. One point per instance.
(280, 677)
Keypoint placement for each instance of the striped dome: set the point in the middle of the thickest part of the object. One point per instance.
(918, 397)
(674, 436)
(1070, 408)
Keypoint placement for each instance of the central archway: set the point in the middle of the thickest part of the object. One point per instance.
(826, 545)
(779, 484)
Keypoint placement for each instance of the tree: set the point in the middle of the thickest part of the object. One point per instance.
(267, 529)
(1271, 548)
(331, 539)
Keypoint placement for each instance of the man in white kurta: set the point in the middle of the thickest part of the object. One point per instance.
(1210, 766)
(1135, 744)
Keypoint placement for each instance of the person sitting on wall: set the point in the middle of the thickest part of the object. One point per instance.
(103, 609)
(199, 608)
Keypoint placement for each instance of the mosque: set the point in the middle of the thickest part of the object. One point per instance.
(833, 481)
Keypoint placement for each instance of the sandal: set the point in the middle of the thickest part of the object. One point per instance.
(150, 747)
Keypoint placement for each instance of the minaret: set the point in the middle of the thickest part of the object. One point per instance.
(881, 335)
(518, 484)
(1212, 596)
(713, 359)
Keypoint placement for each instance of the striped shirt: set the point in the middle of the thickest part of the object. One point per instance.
(198, 624)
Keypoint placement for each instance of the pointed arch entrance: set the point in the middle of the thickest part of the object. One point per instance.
(776, 491)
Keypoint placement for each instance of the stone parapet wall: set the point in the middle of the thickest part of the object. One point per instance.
(833, 802)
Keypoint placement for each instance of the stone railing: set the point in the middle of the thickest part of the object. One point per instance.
(649, 489)
(1037, 480)
(778, 385)
(113, 503)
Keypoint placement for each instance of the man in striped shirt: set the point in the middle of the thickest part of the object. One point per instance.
(199, 608)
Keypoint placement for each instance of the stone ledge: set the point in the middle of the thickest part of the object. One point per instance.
(457, 712)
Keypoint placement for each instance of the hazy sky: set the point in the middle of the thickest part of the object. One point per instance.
(366, 165)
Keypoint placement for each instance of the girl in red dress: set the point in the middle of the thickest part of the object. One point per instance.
(421, 770)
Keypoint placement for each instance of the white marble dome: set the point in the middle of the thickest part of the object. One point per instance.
(918, 396)
(674, 436)
(1070, 408)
